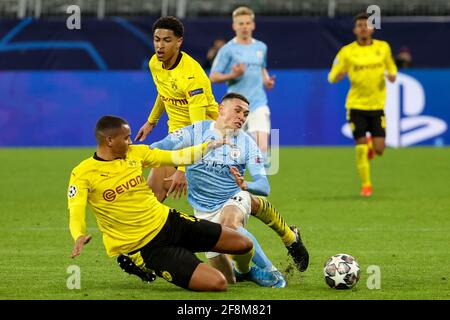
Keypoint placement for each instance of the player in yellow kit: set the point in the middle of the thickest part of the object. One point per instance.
(184, 92)
(365, 61)
(134, 224)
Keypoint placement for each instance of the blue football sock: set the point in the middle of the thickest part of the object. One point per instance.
(259, 258)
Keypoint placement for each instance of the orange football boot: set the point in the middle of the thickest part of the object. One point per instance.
(366, 191)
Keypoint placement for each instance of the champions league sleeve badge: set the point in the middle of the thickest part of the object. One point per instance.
(72, 192)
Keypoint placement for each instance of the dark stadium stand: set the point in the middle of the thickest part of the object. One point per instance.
(126, 44)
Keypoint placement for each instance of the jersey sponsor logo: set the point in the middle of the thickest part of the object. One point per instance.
(111, 194)
(406, 125)
(175, 102)
(218, 168)
(72, 191)
(132, 163)
(369, 66)
(174, 85)
(235, 153)
(259, 54)
(177, 133)
(195, 92)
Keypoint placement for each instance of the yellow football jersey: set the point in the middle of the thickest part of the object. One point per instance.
(127, 212)
(184, 92)
(365, 66)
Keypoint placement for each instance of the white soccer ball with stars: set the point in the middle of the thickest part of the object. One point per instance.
(341, 271)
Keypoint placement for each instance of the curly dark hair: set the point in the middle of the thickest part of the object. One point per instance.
(169, 23)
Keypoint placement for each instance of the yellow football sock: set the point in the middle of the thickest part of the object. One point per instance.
(270, 216)
(242, 261)
(362, 164)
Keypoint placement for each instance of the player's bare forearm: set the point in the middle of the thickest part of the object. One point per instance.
(217, 77)
(392, 77)
(179, 184)
(144, 131)
(79, 244)
(238, 178)
(340, 76)
(189, 155)
(269, 81)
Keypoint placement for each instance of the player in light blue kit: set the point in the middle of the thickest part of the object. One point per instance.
(218, 193)
(242, 64)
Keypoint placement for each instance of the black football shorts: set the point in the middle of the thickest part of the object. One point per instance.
(171, 253)
(362, 121)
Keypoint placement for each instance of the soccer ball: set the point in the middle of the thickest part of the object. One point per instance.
(341, 271)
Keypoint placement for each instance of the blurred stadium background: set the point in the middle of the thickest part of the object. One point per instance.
(55, 83)
(78, 78)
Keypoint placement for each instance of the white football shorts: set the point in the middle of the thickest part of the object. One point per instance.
(258, 120)
(242, 200)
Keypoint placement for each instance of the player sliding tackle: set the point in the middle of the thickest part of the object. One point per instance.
(218, 193)
(144, 233)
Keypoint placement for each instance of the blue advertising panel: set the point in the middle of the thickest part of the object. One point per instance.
(60, 108)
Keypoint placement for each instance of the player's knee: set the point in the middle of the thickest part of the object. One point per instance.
(255, 204)
(216, 283)
(150, 183)
(220, 283)
(245, 245)
(158, 190)
(160, 195)
(230, 224)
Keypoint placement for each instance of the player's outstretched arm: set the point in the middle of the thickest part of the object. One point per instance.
(237, 70)
(339, 69)
(77, 226)
(260, 185)
(186, 156)
(238, 178)
(79, 244)
(77, 199)
(390, 65)
(155, 114)
(268, 81)
(179, 139)
(144, 131)
(178, 187)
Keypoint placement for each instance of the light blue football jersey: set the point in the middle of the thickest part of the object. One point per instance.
(250, 84)
(210, 183)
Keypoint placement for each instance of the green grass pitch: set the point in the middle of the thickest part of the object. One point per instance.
(404, 228)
